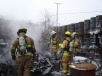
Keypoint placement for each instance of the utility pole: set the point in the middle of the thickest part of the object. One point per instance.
(57, 16)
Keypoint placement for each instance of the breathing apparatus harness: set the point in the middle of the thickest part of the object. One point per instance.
(22, 47)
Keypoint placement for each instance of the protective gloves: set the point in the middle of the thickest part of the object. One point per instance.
(61, 46)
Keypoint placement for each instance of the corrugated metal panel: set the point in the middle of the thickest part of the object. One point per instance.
(93, 24)
(76, 27)
(68, 27)
(86, 25)
(81, 27)
(72, 28)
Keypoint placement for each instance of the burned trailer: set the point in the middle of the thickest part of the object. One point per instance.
(81, 32)
(94, 40)
(72, 28)
(76, 27)
(86, 35)
(99, 30)
(90, 35)
(86, 32)
(80, 29)
(58, 32)
(62, 31)
(93, 36)
(98, 49)
(65, 28)
(68, 27)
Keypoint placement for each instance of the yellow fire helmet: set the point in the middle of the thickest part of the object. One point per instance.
(22, 30)
(74, 33)
(67, 33)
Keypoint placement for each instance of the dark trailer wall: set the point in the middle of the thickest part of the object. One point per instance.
(90, 35)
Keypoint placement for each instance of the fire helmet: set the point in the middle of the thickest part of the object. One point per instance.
(67, 33)
(53, 32)
(74, 33)
(22, 30)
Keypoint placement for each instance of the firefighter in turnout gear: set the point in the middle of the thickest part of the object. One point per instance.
(25, 53)
(74, 44)
(66, 55)
(54, 42)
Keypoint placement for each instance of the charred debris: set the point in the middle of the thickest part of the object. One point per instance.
(90, 51)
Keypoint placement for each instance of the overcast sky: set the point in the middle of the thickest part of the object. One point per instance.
(33, 9)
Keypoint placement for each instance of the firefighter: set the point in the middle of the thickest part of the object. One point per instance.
(25, 53)
(66, 55)
(74, 44)
(54, 42)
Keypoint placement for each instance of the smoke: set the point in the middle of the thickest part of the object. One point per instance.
(33, 30)
(9, 34)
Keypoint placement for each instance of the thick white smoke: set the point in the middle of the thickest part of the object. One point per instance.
(33, 30)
